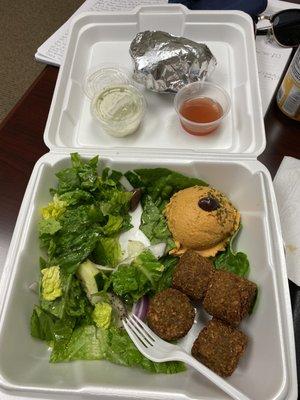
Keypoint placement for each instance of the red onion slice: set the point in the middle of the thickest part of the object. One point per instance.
(141, 307)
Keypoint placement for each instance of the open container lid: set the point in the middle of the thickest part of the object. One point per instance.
(104, 38)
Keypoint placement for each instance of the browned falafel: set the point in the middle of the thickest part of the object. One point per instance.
(170, 314)
(229, 297)
(192, 275)
(219, 347)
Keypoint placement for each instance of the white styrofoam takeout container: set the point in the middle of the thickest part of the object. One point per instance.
(227, 160)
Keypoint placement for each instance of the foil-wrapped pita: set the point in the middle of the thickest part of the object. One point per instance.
(165, 63)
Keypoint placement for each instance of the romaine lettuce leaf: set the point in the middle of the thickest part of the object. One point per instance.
(161, 182)
(154, 224)
(132, 281)
(72, 303)
(83, 344)
(48, 227)
(47, 327)
(113, 225)
(77, 196)
(91, 343)
(107, 251)
(80, 176)
(77, 303)
(42, 324)
(165, 281)
(57, 307)
(93, 207)
(235, 262)
(121, 350)
(118, 203)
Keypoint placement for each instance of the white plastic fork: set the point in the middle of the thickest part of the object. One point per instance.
(158, 350)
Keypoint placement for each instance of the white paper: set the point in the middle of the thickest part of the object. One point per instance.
(54, 47)
(271, 58)
(287, 190)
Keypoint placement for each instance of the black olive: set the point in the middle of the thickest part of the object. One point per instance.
(135, 199)
(208, 204)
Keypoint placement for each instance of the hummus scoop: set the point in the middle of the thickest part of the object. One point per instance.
(201, 218)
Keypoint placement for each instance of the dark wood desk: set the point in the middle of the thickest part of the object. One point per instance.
(21, 145)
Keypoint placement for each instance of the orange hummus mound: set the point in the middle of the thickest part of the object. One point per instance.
(201, 218)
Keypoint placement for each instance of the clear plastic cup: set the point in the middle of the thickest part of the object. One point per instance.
(116, 102)
(119, 116)
(209, 100)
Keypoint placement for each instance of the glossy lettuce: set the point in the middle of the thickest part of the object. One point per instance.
(154, 224)
(107, 251)
(133, 281)
(231, 261)
(86, 208)
(113, 344)
(161, 182)
(165, 281)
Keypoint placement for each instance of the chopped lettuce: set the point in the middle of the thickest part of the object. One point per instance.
(107, 251)
(118, 203)
(86, 207)
(235, 262)
(132, 281)
(154, 224)
(161, 182)
(83, 344)
(121, 350)
(80, 176)
(102, 315)
(113, 225)
(51, 283)
(42, 324)
(54, 209)
(72, 302)
(113, 344)
(47, 327)
(57, 306)
(165, 281)
(48, 227)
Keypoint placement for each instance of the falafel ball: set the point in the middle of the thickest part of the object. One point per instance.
(170, 314)
(229, 297)
(219, 347)
(192, 275)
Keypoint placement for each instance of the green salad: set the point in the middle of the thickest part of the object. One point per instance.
(87, 283)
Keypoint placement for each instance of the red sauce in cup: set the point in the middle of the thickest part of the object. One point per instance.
(200, 110)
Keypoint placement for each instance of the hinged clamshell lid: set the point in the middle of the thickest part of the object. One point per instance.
(99, 38)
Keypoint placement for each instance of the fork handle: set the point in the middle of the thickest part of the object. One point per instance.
(213, 377)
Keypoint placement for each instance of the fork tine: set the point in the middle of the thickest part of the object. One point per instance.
(135, 337)
(141, 328)
(146, 328)
(138, 330)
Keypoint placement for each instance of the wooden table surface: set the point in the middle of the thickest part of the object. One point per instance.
(21, 145)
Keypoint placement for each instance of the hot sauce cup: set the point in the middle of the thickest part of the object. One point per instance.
(201, 107)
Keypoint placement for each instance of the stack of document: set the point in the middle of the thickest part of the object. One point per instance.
(271, 58)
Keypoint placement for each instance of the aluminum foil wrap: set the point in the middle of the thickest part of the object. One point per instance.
(165, 63)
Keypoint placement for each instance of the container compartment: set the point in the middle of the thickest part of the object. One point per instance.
(24, 360)
(95, 41)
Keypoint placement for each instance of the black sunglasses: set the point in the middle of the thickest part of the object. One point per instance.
(285, 27)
